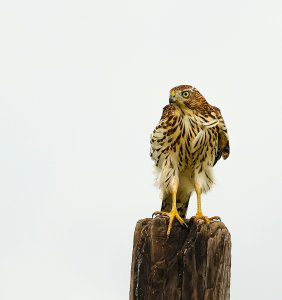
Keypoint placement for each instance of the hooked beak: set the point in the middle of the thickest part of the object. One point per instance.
(172, 97)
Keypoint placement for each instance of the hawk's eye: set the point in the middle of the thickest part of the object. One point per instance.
(185, 94)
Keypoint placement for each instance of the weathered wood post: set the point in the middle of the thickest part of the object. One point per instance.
(193, 263)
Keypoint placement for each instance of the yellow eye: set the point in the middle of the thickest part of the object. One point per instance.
(185, 94)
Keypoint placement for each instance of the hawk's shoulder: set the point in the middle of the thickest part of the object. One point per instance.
(217, 111)
(168, 111)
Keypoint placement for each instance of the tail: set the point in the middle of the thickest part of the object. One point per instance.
(181, 204)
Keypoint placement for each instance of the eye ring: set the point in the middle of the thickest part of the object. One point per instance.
(185, 94)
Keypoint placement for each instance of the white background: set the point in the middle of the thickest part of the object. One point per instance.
(82, 85)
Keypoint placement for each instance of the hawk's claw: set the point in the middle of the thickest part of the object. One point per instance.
(207, 219)
(156, 213)
(160, 213)
(215, 218)
(172, 214)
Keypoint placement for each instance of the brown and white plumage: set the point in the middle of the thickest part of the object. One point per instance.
(190, 138)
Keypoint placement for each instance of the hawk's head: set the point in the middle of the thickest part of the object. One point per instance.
(186, 95)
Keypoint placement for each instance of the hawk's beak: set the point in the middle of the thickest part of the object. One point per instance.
(171, 97)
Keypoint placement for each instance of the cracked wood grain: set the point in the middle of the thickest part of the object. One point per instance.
(193, 263)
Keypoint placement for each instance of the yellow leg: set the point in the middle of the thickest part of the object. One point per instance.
(199, 214)
(172, 214)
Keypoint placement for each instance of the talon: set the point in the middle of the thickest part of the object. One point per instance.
(159, 213)
(185, 225)
(154, 214)
(199, 215)
(215, 218)
(172, 214)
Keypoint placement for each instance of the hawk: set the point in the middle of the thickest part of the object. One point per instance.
(189, 140)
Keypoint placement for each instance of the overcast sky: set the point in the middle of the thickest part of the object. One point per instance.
(82, 85)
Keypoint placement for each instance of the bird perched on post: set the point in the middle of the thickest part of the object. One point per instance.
(190, 138)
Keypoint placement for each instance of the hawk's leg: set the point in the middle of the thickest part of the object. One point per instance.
(172, 214)
(199, 214)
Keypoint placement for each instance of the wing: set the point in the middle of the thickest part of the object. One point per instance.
(165, 134)
(223, 139)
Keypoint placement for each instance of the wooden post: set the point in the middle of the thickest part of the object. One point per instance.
(193, 263)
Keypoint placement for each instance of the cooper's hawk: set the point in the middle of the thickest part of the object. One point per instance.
(188, 141)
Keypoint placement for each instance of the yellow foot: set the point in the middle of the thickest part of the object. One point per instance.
(199, 215)
(172, 214)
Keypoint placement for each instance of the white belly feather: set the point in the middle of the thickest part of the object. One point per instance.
(192, 160)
